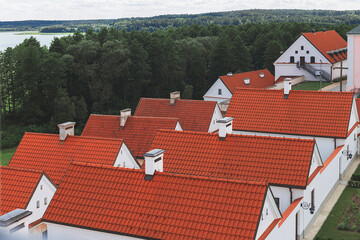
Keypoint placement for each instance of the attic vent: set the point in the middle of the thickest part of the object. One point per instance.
(262, 75)
(229, 74)
(247, 81)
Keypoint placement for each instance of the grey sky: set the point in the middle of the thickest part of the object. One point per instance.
(11, 10)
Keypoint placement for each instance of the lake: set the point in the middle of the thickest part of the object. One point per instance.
(11, 39)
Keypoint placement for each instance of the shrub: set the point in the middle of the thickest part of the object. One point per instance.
(354, 184)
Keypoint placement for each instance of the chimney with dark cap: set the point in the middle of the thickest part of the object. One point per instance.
(66, 129)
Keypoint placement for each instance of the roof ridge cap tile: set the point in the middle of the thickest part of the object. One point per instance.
(96, 138)
(22, 169)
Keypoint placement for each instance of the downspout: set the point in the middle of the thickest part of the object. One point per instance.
(291, 195)
(334, 144)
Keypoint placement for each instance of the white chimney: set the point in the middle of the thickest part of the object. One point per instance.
(124, 114)
(153, 162)
(66, 129)
(247, 81)
(225, 127)
(174, 96)
(262, 75)
(229, 74)
(287, 87)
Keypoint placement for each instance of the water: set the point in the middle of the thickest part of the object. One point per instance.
(11, 39)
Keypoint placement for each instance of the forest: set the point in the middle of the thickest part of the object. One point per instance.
(106, 71)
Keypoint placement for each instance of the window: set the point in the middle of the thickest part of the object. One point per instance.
(312, 59)
(267, 212)
(313, 198)
(37, 204)
(354, 137)
(307, 52)
(45, 201)
(302, 47)
(219, 91)
(277, 201)
(296, 52)
(292, 59)
(40, 187)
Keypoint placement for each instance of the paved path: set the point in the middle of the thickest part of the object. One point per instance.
(334, 87)
(325, 211)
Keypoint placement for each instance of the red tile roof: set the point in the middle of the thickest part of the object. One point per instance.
(357, 100)
(237, 80)
(137, 133)
(281, 78)
(280, 161)
(16, 187)
(311, 113)
(327, 41)
(170, 206)
(45, 152)
(193, 115)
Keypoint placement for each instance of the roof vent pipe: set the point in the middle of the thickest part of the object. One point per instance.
(287, 87)
(124, 114)
(153, 162)
(66, 129)
(225, 127)
(174, 96)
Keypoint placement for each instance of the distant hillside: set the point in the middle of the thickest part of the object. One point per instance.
(325, 17)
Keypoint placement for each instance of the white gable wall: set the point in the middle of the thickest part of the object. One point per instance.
(270, 212)
(283, 193)
(45, 189)
(283, 67)
(178, 127)
(216, 116)
(213, 93)
(125, 158)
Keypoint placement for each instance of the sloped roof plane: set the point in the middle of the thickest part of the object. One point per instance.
(44, 152)
(307, 113)
(256, 81)
(137, 133)
(280, 161)
(170, 206)
(16, 187)
(193, 115)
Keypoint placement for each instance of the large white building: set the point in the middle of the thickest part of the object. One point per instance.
(314, 55)
(353, 81)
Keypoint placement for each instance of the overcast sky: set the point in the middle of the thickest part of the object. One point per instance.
(11, 10)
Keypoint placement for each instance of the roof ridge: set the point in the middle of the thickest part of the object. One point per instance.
(104, 115)
(302, 91)
(169, 118)
(22, 169)
(181, 99)
(198, 177)
(293, 139)
(254, 71)
(96, 138)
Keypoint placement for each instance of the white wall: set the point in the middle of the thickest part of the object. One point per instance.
(125, 158)
(283, 68)
(45, 189)
(20, 234)
(336, 72)
(216, 116)
(283, 194)
(61, 232)
(270, 212)
(212, 93)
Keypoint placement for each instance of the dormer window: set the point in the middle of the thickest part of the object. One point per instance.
(247, 81)
(219, 91)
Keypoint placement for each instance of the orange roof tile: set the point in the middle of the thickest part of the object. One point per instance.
(237, 80)
(45, 152)
(16, 187)
(193, 115)
(138, 132)
(170, 206)
(280, 161)
(327, 41)
(310, 113)
(357, 100)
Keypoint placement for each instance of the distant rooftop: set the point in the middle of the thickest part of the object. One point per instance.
(355, 30)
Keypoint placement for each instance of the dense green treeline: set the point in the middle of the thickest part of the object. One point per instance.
(110, 70)
(163, 22)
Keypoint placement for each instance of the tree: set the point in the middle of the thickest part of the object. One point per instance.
(272, 52)
(242, 57)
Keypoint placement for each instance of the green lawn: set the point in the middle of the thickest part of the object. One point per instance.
(6, 155)
(329, 228)
(310, 86)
